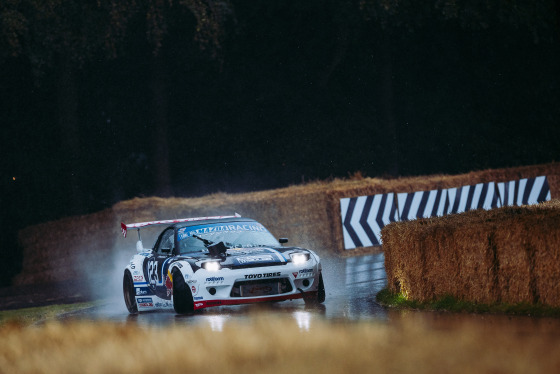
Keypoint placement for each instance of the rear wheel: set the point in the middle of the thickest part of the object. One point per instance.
(182, 297)
(129, 293)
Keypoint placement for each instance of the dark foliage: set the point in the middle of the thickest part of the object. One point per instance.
(279, 93)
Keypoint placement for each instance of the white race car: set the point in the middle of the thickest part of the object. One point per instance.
(211, 261)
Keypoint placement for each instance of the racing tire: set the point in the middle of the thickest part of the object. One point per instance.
(319, 297)
(129, 293)
(182, 297)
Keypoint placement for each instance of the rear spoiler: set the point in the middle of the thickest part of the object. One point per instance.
(140, 225)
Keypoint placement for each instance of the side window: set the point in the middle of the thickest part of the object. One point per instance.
(166, 243)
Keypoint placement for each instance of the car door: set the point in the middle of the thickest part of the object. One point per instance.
(157, 264)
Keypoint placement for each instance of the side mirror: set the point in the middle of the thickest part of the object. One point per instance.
(166, 250)
(283, 240)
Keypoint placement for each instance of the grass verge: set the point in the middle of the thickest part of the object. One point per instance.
(451, 304)
(29, 316)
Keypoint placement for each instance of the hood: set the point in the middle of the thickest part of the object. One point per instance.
(252, 257)
(245, 257)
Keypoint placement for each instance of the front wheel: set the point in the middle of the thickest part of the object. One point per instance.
(129, 293)
(319, 297)
(182, 297)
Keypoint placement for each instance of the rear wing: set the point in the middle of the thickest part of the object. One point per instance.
(140, 225)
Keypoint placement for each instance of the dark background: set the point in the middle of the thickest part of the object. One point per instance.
(102, 101)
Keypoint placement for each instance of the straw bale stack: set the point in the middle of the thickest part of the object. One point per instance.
(52, 250)
(508, 255)
(373, 186)
(89, 246)
(309, 215)
(295, 212)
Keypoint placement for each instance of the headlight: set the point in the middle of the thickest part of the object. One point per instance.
(299, 258)
(211, 265)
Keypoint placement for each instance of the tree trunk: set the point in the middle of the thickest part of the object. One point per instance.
(338, 55)
(161, 124)
(388, 108)
(67, 102)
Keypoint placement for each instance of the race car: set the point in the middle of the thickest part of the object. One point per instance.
(204, 262)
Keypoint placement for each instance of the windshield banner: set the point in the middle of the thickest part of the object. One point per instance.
(187, 232)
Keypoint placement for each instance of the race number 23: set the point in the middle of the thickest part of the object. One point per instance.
(152, 272)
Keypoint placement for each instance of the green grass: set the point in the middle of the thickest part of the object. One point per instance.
(451, 304)
(29, 316)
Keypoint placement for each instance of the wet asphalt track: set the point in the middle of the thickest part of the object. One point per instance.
(350, 283)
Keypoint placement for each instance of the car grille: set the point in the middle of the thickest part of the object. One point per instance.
(261, 287)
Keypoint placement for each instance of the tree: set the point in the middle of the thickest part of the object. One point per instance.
(391, 20)
(210, 19)
(60, 37)
(57, 36)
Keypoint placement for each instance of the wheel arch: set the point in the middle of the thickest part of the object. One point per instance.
(183, 267)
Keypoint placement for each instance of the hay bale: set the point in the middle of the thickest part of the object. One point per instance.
(477, 260)
(308, 214)
(404, 260)
(508, 255)
(544, 245)
(442, 260)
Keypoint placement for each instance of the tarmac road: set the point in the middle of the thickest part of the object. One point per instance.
(350, 283)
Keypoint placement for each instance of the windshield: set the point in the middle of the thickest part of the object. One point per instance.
(234, 235)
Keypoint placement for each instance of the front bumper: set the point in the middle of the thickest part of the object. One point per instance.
(253, 285)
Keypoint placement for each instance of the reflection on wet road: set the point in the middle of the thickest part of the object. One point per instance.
(350, 283)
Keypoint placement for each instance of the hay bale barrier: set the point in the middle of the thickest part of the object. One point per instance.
(508, 255)
(309, 215)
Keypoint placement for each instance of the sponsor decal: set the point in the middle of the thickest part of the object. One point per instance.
(213, 303)
(136, 272)
(306, 273)
(145, 300)
(194, 289)
(132, 266)
(141, 291)
(215, 279)
(262, 275)
(164, 269)
(169, 283)
(249, 251)
(165, 304)
(198, 298)
(192, 281)
(198, 305)
(138, 278)
(249, 259)
(146, 304)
